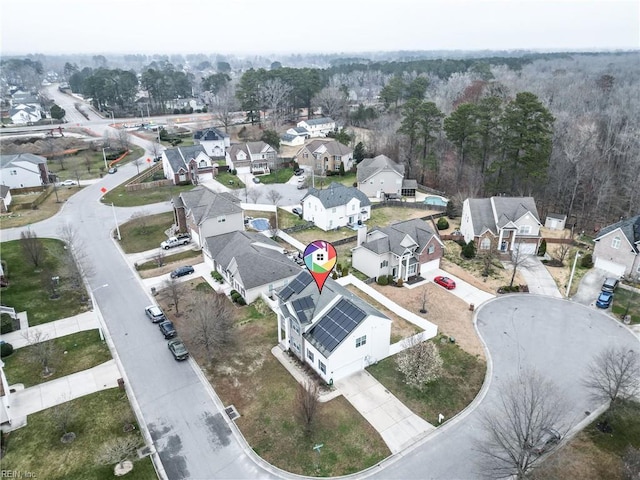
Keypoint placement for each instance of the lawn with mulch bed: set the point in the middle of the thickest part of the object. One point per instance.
(145, 232)
(96, 419)
(121, 198)
(71, 353)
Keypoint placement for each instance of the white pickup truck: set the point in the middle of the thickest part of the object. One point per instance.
(175, 242)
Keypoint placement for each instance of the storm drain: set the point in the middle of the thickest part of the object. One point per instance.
(232, 412)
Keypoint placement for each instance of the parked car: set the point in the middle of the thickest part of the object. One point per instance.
(549, 438)
(68, 183)
(298, 171)
(302, 186)
(604, 300)
(297, 211)
(167, 329)
(256, 180)
(155, 313)
(178, 349)
(610, 284)
(446, 282)
(175, 242)
(113, 169)
(182, 271)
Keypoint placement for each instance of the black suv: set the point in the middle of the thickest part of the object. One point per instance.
(167, 329)
(610, 284)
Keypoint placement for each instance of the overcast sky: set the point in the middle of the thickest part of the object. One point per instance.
(289, 26)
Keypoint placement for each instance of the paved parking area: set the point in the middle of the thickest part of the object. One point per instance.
(538, 278)
(467, 292)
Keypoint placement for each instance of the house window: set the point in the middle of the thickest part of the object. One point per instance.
(305, 155)
(222, 219)
(412, 269)
(524, 229)
(296, 346)
(353, 207)
(361, 341)
(322, 367)
(295, 327)
(615, 243)
(485, 244)
(14, 172)
(384, 263)
(203, 164)
(310, 355)
(431, 249)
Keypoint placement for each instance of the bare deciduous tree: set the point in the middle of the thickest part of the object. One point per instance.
(254, 194)
(77, 263)
(175, 290)
(32, 247)
(333, 101)
(527, 406)
(307, 401)
(223, 104)
(63, 415)
(43, 351)
(631, 463)
(117, 450)
(517, 259)
(274, 196)
(614, 374)
(124, 139)
(419, 362)
(159, 257)
(210, 327)
(275, 94)
(423, 299)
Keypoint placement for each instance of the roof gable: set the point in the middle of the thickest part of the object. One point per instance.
(369, 167)
(629, 227)
(399, 237)
(205, 204)
(337, 194)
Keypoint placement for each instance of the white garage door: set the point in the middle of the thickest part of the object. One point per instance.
(427, 267)
(527, 248)
(611, 267)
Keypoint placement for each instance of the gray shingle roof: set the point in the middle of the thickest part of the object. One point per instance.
(310, 298)
(496, 212)
(337, 194)
(631, 229)
(210, 134)
(4, 190)
(319, 121)
(287, 137)
(370, 166)
(418, 231)
(257, 264)
(6, 160)
(205, 204)
(482, 215)
(333, 147)
(179, 157)
(409, 183)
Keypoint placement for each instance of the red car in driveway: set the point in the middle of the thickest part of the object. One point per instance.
(446, 282)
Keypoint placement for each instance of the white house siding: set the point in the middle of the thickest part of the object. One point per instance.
(21, 175)
(369, 262)
(466, 224)
(386, 181)
(212, 226)
(314, 211)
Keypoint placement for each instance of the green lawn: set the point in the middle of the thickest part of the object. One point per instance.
(121, 198)
(286, 219)
(29, 286)
(150, 265)
(282, 175)
(449, 395)
(83, 350)
(625, 424)
(624, 299)
(229, 181)
(145, 232)
(86, 164)
(98, 418)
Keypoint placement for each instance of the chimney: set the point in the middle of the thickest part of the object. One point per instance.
(362, 235)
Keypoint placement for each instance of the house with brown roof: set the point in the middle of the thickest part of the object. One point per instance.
(325, 155)
(251, 157)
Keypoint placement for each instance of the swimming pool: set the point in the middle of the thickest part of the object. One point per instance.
(260, 224)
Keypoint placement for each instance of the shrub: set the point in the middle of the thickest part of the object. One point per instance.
(399, 282)
(586, 261)
(334, 275)
(216, 276)
(6, 349)
(542, 249)
(6, 323)
(232, 292)
(382, 280)
(469, 250)
(442, 224)
(451, 211)
(241, 301)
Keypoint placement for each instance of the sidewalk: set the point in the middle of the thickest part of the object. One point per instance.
(59, 328)
(538, 278)
(40, 397)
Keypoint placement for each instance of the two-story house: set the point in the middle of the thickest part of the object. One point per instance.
(318, 127)
(617, 248)
(502, 223)
(404, 250)
(214, 141)
(203, 214)
(250, 262)
(380, 176)
(335, 333)
(23, 170)
(187, 165)
(335, 206)
(251, 157)
(325, 155)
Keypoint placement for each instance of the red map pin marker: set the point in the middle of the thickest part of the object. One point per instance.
(320, 257)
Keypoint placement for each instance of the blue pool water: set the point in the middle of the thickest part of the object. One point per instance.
(260, 224)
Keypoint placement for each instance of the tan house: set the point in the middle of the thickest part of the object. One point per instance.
(617, 248)
(380, 176)
(325, 155)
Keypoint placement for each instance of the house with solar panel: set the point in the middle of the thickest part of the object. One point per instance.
(214, 141)
(336, 333)
(250, 262)
(335, 206)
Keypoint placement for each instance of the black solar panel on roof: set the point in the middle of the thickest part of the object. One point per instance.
(296, 286)
(336, 324)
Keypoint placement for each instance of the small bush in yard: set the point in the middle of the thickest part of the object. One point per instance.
(442, 224)
(586, 261)
(469, 250)
(542, 249)
(6, 324)
(6, 349)
(382, 280)
(216, 276)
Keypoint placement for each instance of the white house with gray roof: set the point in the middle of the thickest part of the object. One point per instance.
(404, 250)
(203, 213)
(380, 176)
(335, 206)
(617, 248)
(501, 223)
(250, 262)
(187, 165)
(23, 170)
(336, 333)
(318, 127)
(214, 141)
(251, 157)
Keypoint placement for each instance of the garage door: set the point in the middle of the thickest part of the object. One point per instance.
(611, 267)
(427, 267)
(527, 248)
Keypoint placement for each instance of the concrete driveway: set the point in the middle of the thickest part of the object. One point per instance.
(537, 277)
(467, 292)
(590, 287)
